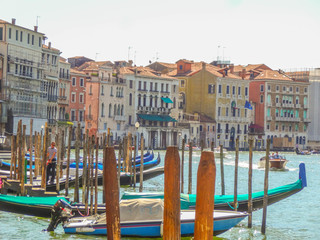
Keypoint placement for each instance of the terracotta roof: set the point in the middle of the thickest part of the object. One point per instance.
(91, 66)
(75, 71)
(144, 71)
(272, 75)
(3, 21)
(51, 48)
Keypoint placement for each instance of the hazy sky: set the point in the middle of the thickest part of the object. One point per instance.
(280, 33)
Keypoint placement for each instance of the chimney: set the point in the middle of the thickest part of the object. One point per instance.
(203, 65)
(13, 21)
(35, 28)
(231, 68)
(49, 46)
(243, 74)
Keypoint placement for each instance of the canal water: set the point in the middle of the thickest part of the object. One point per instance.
(296, 217)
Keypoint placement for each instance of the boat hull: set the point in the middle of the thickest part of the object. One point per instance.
(154, 228)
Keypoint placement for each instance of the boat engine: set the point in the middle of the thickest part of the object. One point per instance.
(61, 211)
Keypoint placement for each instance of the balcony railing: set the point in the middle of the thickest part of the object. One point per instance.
(288, 119)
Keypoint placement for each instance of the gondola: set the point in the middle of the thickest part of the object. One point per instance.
(225, 202)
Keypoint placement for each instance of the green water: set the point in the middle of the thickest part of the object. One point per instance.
(296, 217)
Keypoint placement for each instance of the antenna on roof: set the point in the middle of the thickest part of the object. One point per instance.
(37, 21)
(135, 57)
(129, 52)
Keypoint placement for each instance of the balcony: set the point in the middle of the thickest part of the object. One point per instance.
(269, 118)
(288, 105)
(89, 117)
(219, 131)
(298, 105)
(120, 118)
(51, 121)
(239, 131)
(52, 98)
(269, 104)
(278, 104)
(306, 119)
(62, 97)
(287, 119)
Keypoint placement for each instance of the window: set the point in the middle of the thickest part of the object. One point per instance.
(145, 85)
(130, 119)
(73, 115)
(269, 88)
(81, 82)
(32, 40)
(239, 90)
(261, 98)
(81, 118)
(167, 87)
(156, 86)
(284, 88)
(162, 85)
(291, 89)
(297, 90)
(21, 36)
(1, 33)
(246, 91)
(105, 126)
(227, 90)
(81, 100)
(180, 67)
(219, 111)
(200, 128)
(261, 88)
(118, 126)
(297, 100)
(73, 81)
(139, 85)
(151, 85)
(245, 112)
(220, 89)
(283, 127)
(277, 127)
(305, 90)
(111, 91)
(182, 83)
(269, 98)
(73, 97)
(211, 89)
(233, 90)
(39, 41)
(17, 35)
(174, 88)
(227, 112)
(102, 109)
(9, 33)
(268, 112)
(277, 99)
(268, 126)
(277, 88)
(102, 90)
(28, 38)
(305, 101)
(130, 99)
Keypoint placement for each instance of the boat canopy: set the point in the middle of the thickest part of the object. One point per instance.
(50, 201)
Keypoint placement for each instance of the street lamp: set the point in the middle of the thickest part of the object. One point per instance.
(137, 125)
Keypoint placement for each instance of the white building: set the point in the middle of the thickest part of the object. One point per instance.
(21, 49)
(152, 100)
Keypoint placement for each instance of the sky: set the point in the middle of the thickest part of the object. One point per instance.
(283, 34)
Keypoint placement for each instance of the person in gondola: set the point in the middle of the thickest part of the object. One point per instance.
(52, 161)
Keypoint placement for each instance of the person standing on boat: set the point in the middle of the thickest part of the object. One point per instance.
(52, 161)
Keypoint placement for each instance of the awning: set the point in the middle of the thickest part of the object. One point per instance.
(166, 100)
(160, 118)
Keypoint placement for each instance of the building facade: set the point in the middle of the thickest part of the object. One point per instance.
(22, 76)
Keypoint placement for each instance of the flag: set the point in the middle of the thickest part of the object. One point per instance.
(248, 105)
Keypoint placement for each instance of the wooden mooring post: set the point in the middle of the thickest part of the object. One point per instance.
(30, 153)
(134, 162)
(222, 171)
(13, 154)
(96, 178)
(190, 169)
(266, 185)
(76, 186)
(119, 162)
(171, 214)
(206, 177)
(68, 161)
(23, 162)
(141, 165)
(59, 146)
(236, 165)
(250, 184)
(182, 165)
(44, 157)
(84, 166)
(104, 145)
(91, 174)
(111, 195)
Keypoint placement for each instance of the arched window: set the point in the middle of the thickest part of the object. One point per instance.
(102, 90)
(277, 99)
(174, 102)
(151, 101)
(115, 110)
(130, 99)
(305, 101)
(297, 100)
(111, 91)
(121, 110)
(139, 100)
(118, 112)
(110, 110)
(269, 98)
(102, 109)
(156, 101)
(144, 100)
